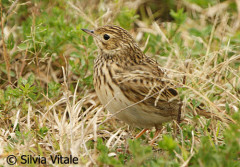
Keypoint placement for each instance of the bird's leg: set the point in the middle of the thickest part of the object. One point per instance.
(155, 135)
(141, 133)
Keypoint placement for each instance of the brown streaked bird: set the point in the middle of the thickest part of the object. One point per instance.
(131, 85)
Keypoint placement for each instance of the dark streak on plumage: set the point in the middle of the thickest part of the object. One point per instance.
(110, 87)
(173, 91)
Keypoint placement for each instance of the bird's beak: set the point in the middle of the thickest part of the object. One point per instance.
(90, 32)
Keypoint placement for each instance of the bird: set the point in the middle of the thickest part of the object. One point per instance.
(131, 85)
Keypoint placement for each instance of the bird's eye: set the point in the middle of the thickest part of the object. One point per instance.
(106, 37)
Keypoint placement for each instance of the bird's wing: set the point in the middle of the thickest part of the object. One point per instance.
(141, 85)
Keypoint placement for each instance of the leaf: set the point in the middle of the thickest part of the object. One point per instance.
(179, 16)
(167, 143)
(10, 42)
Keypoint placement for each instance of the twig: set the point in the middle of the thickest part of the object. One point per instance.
(82, 14)
(5, 55)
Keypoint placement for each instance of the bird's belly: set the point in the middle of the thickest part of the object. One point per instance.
(112, 98)
(125, 110)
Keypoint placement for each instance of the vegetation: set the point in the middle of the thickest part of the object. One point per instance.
(47, 103)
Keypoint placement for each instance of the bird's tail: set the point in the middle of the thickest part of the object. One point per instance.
(219, 116)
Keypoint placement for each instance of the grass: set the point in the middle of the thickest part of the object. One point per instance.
(47, 101)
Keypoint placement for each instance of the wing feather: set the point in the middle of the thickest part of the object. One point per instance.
(152, 90)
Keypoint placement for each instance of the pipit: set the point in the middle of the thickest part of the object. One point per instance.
(130, 84)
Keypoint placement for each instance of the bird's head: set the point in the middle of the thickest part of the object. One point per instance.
(112, 39)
